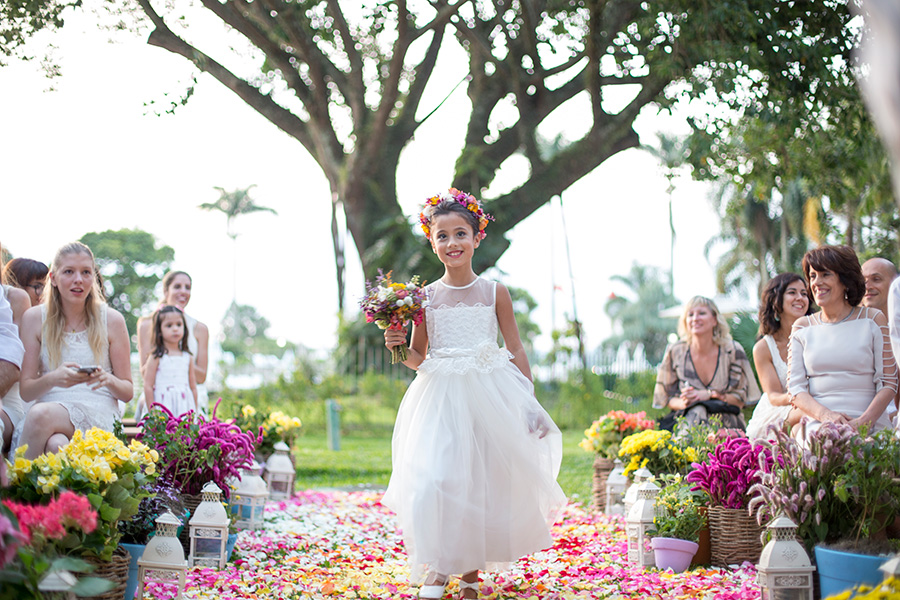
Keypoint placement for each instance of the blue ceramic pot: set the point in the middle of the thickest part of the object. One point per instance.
(839, 570)
(136, 551)
(229, 546)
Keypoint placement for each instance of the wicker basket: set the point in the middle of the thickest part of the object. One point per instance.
(114, 570)
(602, 468)
(734, 536)
(191, 502)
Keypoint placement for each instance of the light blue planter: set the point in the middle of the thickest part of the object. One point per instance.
(840, 571)
(229, 546)
(136, 551)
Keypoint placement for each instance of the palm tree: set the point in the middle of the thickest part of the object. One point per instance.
(637, 315)
(234, 204)
(671, 153)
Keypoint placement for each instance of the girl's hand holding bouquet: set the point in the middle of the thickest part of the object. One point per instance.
(390, 305)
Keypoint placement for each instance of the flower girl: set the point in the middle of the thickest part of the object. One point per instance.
(475, 456)
(168, 376)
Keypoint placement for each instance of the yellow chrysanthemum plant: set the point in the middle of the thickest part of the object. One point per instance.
(656, 451)
(274, 427)
(96, 464)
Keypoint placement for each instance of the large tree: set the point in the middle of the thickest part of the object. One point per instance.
(132, 263)
(346, 80)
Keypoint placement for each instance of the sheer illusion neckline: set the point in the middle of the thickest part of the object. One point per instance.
(459, 287)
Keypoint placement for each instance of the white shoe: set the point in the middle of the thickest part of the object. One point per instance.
(433, 591)
(465, 585)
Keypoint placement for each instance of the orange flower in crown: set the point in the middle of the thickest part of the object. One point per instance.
(465, 199)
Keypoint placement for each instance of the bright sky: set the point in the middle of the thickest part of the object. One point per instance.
(91, 157)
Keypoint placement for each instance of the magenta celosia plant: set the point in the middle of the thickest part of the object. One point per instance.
(194, 450)
(730, 470)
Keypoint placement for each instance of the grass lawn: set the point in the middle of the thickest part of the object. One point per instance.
(366, 461)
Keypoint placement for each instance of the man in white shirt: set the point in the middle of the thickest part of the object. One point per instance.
(11, 353)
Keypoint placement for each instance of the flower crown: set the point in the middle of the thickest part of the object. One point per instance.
(467, 200)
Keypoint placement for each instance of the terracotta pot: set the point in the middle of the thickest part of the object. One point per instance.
(704, 553)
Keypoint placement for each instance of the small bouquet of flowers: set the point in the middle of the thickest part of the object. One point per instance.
(390, 305)
(730, 470)
(607, 432)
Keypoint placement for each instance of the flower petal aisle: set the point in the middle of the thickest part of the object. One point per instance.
(346, 545)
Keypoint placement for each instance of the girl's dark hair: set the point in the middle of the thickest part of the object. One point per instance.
(159, 343)
(445, 207)
(20, 272)
(843, 262)
(771, 303)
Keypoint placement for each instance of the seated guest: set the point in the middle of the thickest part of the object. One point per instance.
(878, 274)
(785, 299)
(30, 275)
(13, 407)
(840, 365)
(705, 372)
(77, 360)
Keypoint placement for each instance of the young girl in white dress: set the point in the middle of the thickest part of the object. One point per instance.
(785, 299)
(475, 456)
(168, 376)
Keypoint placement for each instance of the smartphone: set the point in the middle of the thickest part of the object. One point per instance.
(88, 369)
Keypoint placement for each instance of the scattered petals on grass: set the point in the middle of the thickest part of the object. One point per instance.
(346, 545)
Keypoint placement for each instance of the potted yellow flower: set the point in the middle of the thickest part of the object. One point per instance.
(680, 518)
(656, 451)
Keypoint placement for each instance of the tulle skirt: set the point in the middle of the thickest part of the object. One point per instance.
(473, 482)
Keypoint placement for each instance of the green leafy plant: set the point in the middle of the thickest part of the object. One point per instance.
(840, 486)
(95, 464)
(680, 511)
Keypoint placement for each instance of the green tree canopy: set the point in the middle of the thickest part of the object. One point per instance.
(132, 264)
(244, 334)
(347, 81)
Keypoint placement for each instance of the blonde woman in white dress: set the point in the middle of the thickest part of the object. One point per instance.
(785, 299)
(77, 362)
(841, 368)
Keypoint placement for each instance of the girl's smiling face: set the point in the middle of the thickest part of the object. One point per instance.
(453, 239)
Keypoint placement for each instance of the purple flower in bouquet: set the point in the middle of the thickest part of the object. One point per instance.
(730, 470)
(194, 450)
(390, 305)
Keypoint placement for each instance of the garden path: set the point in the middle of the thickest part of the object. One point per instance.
(340, 544)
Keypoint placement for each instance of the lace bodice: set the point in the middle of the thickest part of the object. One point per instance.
(462, 328)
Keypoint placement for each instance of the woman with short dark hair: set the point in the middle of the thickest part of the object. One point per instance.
(841, 368)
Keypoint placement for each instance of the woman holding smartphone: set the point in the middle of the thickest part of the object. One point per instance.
(77, 357)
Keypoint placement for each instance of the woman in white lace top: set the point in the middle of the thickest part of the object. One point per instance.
(784, 300)
(840, 365)
(77, 357)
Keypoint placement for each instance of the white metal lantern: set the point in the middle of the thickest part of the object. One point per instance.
(784, 571)
(209, 530)
(163, 560)
(616, 484)
(638, 522)
(59, 582)
(280, 473)
(631, 494)
(248, 501)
